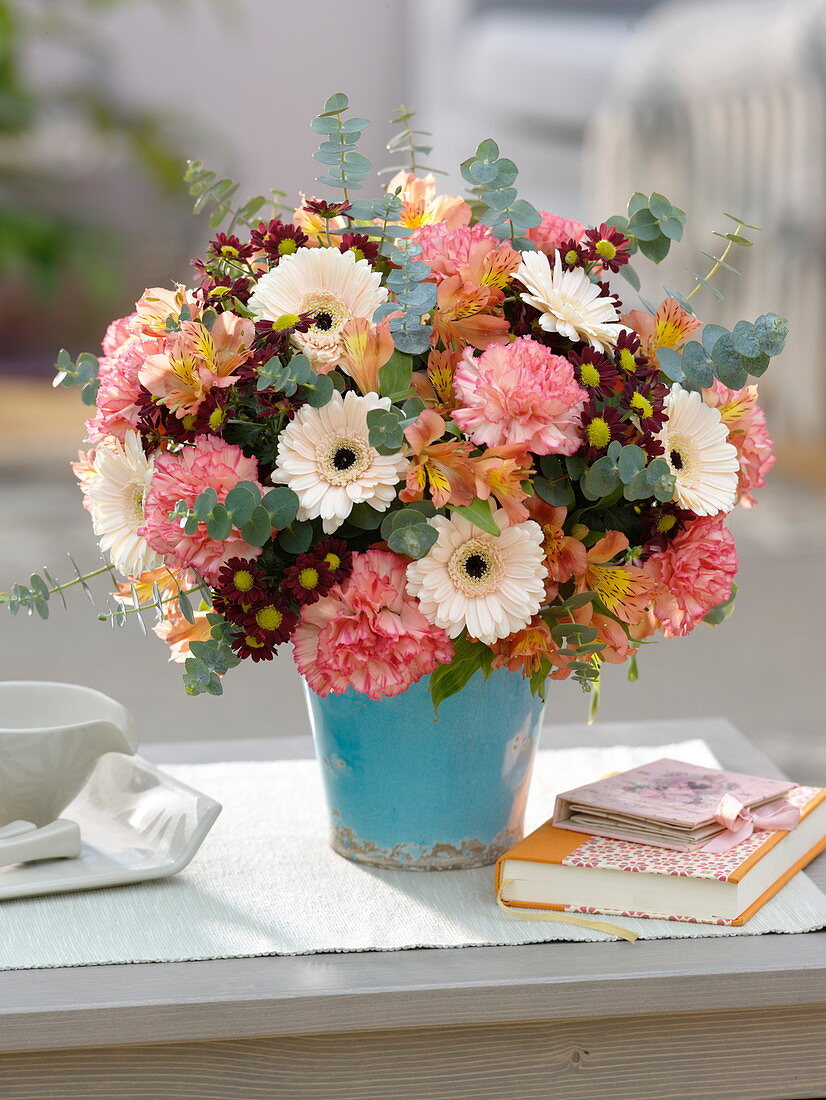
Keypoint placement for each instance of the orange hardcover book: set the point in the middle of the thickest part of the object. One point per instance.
(573, 872)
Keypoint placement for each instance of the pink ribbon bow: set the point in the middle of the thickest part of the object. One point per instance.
(739, 823)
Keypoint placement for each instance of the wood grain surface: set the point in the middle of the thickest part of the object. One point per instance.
(678, 1057)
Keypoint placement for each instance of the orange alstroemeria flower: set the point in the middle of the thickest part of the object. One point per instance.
(444, 468)
(626, 590)
(459, 319)
(157, 304)
(565, 556)
(365, 350)
(422, 206)
(197, 360)
(669, 327)
(525, 650)
(435, 385)
(500, 472)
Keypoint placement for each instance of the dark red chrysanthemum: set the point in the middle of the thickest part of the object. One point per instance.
(218, 292)
(336, 556)
(247, 645)
(572, 254)
(607, 246)
(662, 525)
(362, 247)
(229, 247)
(644, 400)
(277, 239)
(273, 620)
(601, 425)
(308, 579)
(323, 209)
(630, 362)
(241, 584)
(594, 372)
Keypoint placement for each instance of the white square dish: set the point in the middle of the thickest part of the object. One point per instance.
(136, 823)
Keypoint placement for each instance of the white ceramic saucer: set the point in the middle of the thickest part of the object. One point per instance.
(136, 824)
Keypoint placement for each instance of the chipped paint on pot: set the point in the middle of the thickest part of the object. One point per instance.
(408, 790)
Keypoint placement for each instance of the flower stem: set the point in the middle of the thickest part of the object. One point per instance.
(718, 264)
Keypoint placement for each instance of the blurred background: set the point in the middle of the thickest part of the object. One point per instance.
(719, 104)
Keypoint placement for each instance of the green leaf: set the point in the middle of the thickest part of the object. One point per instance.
(630, 276)
(771, 332)
(696, 364)
(336, 103)
(655, 250)
(241, 501)
(711, 334)
(730, 366)
(219, 525)
(601, 479)
(395, 375)
(556, 493)
(480, 515)
(722, 611)
(744, 339)
(258, 528)
(365, 518)
(631, 461)
(671, 364)
(281, 504)
(296, 537)
(575, 465)
(319, 391)
(413, 540)
(185, 605)
(385, 431)
(659, 205)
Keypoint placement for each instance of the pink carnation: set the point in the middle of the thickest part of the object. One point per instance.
(210, 463)
(520, 393)
(117, 334)
(448, 250)
(746, 423)
(368, 634)
(553, 232)
(696, 571)
(117, 408)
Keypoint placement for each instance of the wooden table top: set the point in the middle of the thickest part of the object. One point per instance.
(334, 993)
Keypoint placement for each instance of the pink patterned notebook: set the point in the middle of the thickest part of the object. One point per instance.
(667, 803)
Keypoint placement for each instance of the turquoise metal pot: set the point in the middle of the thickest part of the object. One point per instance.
(408, 790)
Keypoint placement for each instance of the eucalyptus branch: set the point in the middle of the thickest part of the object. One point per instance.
(36, 595)
(405, 142)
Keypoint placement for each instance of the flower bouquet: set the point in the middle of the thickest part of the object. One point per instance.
(419, 437)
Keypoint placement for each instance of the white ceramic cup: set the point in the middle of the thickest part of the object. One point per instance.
(51, 737)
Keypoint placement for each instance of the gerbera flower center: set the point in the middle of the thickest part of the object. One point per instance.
(344, 459)
(135, 498)
(598, 432)
(678, 455)
(328, 311)
(308, 578)
(269, 618)
(476, 567)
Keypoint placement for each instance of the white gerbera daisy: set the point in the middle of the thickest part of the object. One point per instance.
(122, 474)
(701, 458)
(325, 457)
(569, 302)
(491, 585)
(333, 286)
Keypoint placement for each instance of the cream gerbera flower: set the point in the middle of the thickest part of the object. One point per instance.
(333, 286)
(701, 458)
(122, 474)
(569, 302)
(325, 457)
(491, 585)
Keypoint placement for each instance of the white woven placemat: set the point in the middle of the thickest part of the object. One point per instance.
(266, 883)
